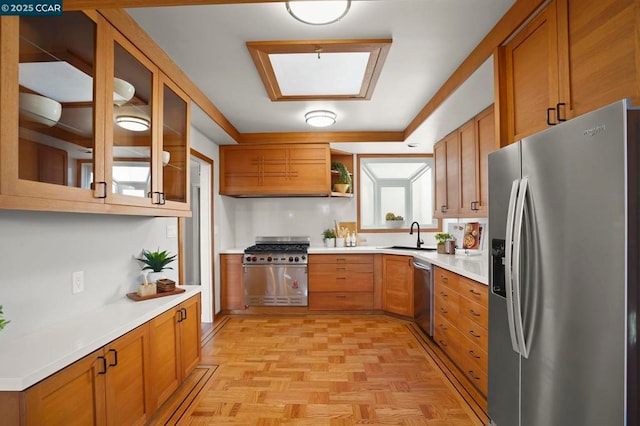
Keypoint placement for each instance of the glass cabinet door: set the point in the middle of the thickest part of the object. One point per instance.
(175, 146)
(130, 136)
(56, 139)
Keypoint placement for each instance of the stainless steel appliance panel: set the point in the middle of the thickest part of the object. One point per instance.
(275, 285)
(573, 279)
(503, 389)
(423, 284)
(561, 306)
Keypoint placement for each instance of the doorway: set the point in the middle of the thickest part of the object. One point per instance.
(196, 233)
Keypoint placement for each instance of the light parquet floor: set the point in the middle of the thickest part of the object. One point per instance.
(323, 370)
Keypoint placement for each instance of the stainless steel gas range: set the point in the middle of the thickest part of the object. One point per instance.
(275, 272)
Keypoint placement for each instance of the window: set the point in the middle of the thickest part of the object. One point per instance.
(402, 185)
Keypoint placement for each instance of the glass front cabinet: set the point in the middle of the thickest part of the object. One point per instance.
(88, 122)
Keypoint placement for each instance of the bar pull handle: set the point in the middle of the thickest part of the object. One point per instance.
(443, 208)
(104, 189)
(444, 311)
(473, 333)
(517, 243)
(474, 313)
(558, 115)
(473, 375)
(475, 355)
(549, 122)
(508, 274)
(104, 365)
(442, 343)
(443, 327)
(115, 357)
(475, 293)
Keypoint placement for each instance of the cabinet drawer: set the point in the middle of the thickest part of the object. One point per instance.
(472, 290)
(474, 311)
(445, 277)
(473, 331)
(442, 334)
(345, 282)
(335, 301)
(446, 304)
(338, 268)
(341, 258)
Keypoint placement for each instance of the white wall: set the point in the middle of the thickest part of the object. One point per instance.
(40, 250)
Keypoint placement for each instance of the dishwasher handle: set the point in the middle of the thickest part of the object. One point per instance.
(423, 266)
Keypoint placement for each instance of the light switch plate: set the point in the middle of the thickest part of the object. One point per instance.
(172, 231)
(77, 282)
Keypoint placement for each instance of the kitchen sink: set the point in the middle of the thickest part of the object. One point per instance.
(411, 248)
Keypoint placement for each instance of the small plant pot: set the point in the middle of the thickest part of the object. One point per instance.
(330, 242)
(394, 223)
(447, 247)
(341, 187)
(339, 242)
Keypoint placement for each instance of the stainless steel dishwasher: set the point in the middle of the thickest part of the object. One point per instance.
(423, 286)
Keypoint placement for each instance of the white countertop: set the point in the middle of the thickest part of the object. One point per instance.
(26, 360)
(475, 267)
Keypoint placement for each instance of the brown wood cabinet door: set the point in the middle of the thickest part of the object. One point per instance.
(231, 288)
(531, 76)
(128, 392)
(398, 285)
(453, 175)
(597, 53)
(486, 143)
(468, 169)
(73, 396)
(165, 356)
(189, 335)
(440, 167)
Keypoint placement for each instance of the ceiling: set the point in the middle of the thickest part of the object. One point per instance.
(431, 38)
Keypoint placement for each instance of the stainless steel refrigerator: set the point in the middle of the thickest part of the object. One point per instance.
(563, 302)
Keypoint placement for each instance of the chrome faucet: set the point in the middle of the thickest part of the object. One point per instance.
(419, 242)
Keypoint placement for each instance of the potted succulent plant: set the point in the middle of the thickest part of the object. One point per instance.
(446, 243)
(329, 237)
(154, 263)
(344, 179)
(3, 322)
(394, 221)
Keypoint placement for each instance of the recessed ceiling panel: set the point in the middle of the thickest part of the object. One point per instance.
(319, 69)
(320, 74)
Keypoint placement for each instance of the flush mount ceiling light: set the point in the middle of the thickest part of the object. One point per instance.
(318, 12)
(320, 118)
(135, 124)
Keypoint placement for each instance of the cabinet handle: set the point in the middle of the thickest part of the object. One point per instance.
(443, 327)
(474, 205)
(475, 293)
(104, 189)
(442, 343)
(341, 259)
(444, 295)
(549, 122)
(473, 375)
(558, 115)
(474, 313)
(443, 209)
(341, 278)
(179, 312)
(104, 365)
(163, 198)
(473, 354)
(341, 296)
(341, 268)
(115, 357)
(444, 311)
(185, 313)
(444, 278)
(473, 333)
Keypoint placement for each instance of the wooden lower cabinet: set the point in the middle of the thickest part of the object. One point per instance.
(461, 324)
(231, 288)
(108, 387)
(398, 293)
(341, 282)
(121, 383)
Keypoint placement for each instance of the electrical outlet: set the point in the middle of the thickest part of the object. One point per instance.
(77, 282)
(172, 231)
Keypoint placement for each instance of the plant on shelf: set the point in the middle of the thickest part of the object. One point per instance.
(394, 221)
(156, 261)
(3, 322)
(328, 233)
(441, 239)
(391, 216)
(344, 178)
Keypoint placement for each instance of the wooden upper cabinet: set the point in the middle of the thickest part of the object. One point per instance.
(50, 128)
(486, 143)
(531, 76)
(597, 53)
(574, 57)
(287, 169)
(468, 168)
(440, 173)
(72, 83)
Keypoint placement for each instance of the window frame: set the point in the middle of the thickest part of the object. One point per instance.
(437, 228)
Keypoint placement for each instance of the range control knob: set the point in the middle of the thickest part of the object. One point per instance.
(254, 258)
(290, 258)
(304, 257)
(248, 258)
(297, 259)
(269, 259)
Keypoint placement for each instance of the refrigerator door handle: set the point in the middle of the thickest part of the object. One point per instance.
(508, 263)
(517, 244)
